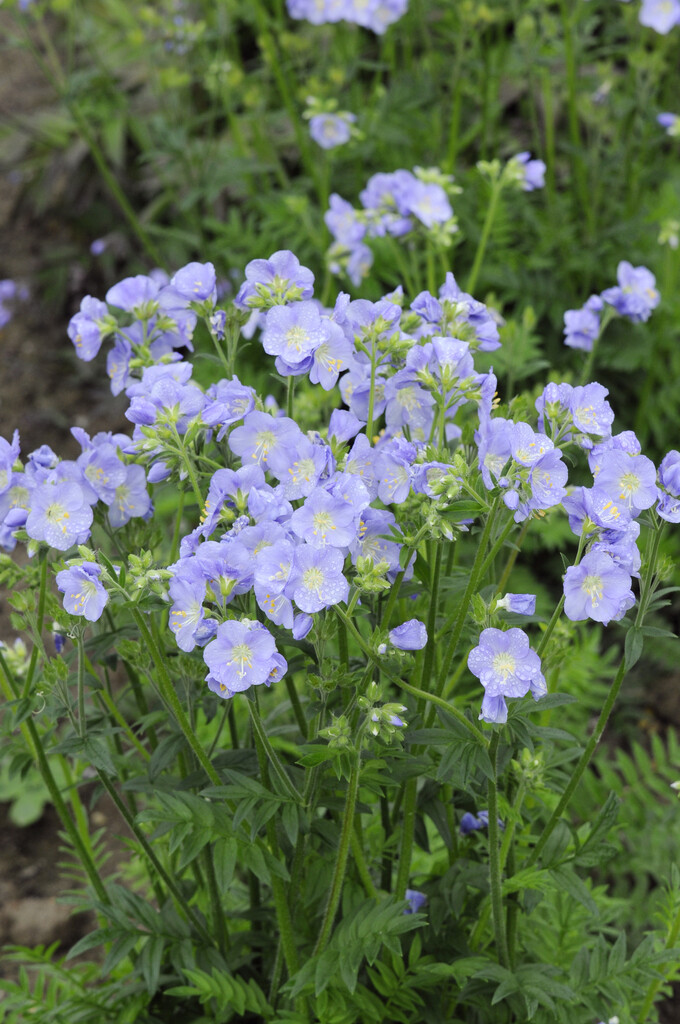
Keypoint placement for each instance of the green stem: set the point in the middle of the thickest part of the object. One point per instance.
(496, 190)
(343, 851)
(281, 906)
(472, 588)
(394, 592)
(81, 687)
(360, 862)
(219, 922)
(153, 859)
(34, 744)
(168, 693)
(429, 697)
(494, 858)
(545, 639)
(587, 754)
(407, 835)
(42, 594)
(655, 985)
(272, 756)
(607, 317)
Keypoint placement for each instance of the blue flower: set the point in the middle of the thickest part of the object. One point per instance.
(661, 15)
(243, 654)
(597, 589)
(60, 515)
(410, 636)
(519, 604)
(416, 900)
(506, 666)
(317, 581)
(83, 592)
(331, 130)
(635, 296)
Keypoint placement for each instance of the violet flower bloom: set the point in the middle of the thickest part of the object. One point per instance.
(243, 654)
(274, 278)
(85, 329)
(669, 473)
(628, 479)
(416, 900)
(83, 592)
(197, 282)
(131, 499)
(266, 441)
(590, 411)
(661, 15)
(582, 326)
(294, 332)
(475, 822)
(597, 589)
(343, 221)
(9, 453)
(635, 296)
(671, 122)
(331, 130)
(410, 636)
(531, 172)
(506, 666)
(317, 581)
(134, 295)
(60, 515)
(519, 604)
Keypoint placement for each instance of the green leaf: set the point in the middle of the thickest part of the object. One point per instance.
(150, 962)
(633, 649)
(568, 880)
(224, 852)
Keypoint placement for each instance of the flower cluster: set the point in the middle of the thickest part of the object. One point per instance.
(294, 523)
(506, 666)
(376, 15)
(634, 297)
(392, 204)
(53, 499)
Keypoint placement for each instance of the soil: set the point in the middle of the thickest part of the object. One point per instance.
(44, 390)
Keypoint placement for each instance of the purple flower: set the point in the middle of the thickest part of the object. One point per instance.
(135, 295)
(196, 282)
(343, 221)
(131, 499)
(629, 479)
(671, 122)
(410, 636)
(331, 130)
(86, 328)
(317, 581)
(60, 515)
(590, 411)
(474, 822)
(293, 333)
(266, 441)
(429, 203)
(243, 654)
(661, 15)
(416, 900)
(9, 453)
(531, 172)
(582, 326)
(635, 296)
(277, 280)
(506, 666)
(83, 592)
(597, 589)
(519, 604)
(669, 473)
